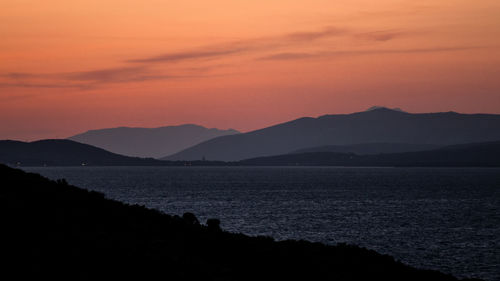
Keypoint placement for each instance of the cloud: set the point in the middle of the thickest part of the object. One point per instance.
(105, 75)
(35, 80)
(237, 47)
(296, 56)
(189, 55)
(288, 56)
(95, 78)
(381, 35)
(14, 97)
(40, 85)
(315, 35)
(153, 67)
(141, 69)
(81, 80)
(18, 75)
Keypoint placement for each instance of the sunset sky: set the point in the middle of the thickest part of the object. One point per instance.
(70, 66)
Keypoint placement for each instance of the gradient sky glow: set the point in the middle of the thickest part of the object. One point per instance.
(71, 66)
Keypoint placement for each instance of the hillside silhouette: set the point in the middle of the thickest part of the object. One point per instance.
(465, 155)
(59, 152)
(149, 142)
(64, 153)
(380, 125)
(54, 231)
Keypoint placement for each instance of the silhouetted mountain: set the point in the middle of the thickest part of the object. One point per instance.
(383, 107)
(474, 154)
(149, 142)
(55, 231)
(380, 125)
(64, 153)
(369, 148)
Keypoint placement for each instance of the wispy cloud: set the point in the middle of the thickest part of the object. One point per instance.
(296, 56)
(189, 55)
(155, 67)
(80, 80)
(315, 35)
(104, 74)
(108, 75)
(143, 69)
(289, 56)
(96, 78)
(384, 35)
(243, 46)
(19, 75)
(40, 85)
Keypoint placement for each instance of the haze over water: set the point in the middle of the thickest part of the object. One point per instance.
(438, 218)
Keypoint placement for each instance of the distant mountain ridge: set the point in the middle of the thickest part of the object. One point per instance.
(380, 107)
(64, 153)
(69, 153)
(466, 155)
(379, 125)
(369, 148)
(149, 142)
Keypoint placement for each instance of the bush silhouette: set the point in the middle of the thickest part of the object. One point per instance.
(213, 225)
(190, 218)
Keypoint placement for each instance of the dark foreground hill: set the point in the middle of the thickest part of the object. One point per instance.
(465, 155)
(380, 125)
(149, 142)
(54, 231)
(64, 153)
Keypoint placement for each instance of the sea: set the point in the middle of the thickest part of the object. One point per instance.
(447, 219)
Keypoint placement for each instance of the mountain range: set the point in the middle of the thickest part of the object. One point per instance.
(149, 142)
(375, 131)
(377, 125)
(70, 153)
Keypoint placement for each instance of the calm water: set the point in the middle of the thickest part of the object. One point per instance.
(445, 219)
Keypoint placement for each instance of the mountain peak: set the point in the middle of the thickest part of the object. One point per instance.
(379, 125)
(377, 107)
(150, 142)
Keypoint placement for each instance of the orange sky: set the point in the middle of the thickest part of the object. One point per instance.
(70, 66)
